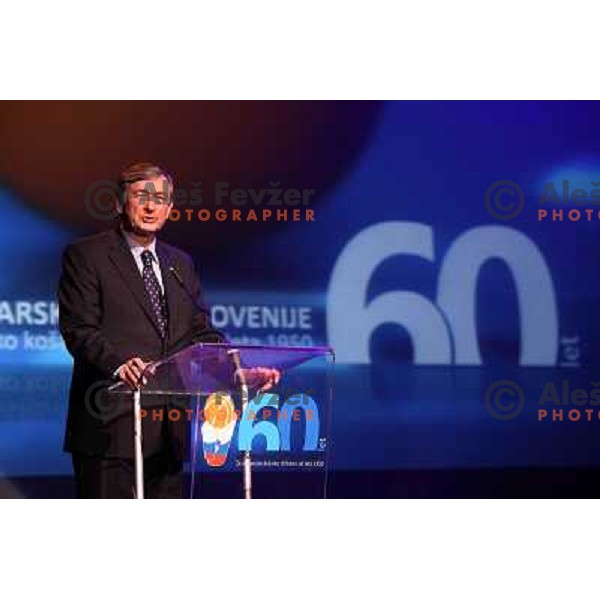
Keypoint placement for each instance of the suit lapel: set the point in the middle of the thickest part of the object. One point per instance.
(170, 285)
(121, 256)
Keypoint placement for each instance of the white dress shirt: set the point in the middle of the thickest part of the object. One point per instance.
(137, 249)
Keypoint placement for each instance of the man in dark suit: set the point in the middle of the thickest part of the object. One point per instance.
(127, 299)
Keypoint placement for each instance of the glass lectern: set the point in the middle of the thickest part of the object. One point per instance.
(240, 442)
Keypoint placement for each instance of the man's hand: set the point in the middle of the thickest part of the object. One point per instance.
(260, 377)
(131, 372)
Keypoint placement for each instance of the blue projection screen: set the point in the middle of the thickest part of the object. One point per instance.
(449, 261)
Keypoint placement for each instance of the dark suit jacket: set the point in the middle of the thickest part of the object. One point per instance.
(105, 318)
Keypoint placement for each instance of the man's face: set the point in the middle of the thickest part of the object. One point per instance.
(148, 204)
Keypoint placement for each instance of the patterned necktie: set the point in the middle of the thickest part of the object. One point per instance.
(157, 298)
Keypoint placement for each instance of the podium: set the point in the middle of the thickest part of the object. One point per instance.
(240, 442)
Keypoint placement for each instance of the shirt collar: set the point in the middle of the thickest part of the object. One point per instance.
(136, 247)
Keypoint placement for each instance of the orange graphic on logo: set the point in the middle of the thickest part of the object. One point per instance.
(217, 430)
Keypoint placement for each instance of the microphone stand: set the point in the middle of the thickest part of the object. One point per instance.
(137, 441)
(234, 354)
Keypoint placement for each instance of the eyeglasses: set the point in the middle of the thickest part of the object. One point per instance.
(143, 196)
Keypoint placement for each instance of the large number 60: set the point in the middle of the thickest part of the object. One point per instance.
(444, 332)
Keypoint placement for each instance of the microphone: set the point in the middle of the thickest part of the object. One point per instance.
(234, 355)
(173, 270)
(199, 307)
(175, 273)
